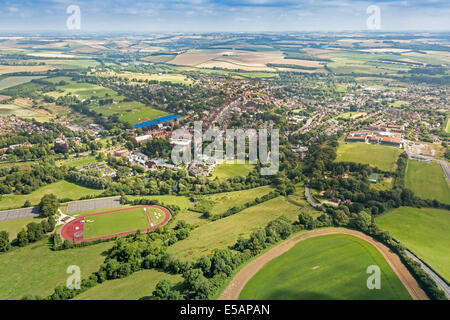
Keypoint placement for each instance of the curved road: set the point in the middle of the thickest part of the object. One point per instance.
(234, 288)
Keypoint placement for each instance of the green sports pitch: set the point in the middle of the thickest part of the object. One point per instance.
(118, 222)
(331, 267)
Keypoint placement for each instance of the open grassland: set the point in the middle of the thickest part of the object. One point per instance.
(224, 232)
(231, 170)
(14, 226)
(447, 128)
(161, 77)
(427, 181)
(380, 156)
(62, 189)
(35, 269)
(327, 267)
(80, 90)
(425, 231)
(14, 110)
(116, 222)
(221, 202)
(136, 286)
(14, 69)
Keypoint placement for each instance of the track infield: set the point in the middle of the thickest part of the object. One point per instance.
(242, 278)
(115, 223)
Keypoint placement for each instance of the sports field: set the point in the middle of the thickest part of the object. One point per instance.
(231, 170)
(118, 222)
(351, 115)
(424, 231)
(380, 156)
(427, 181)
(326, 267)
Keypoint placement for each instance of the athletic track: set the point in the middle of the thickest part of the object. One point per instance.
(69, 231)
(234, 288)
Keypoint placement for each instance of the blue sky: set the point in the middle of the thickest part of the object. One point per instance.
(223, 15)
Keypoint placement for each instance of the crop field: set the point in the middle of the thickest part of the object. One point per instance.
(129, 288)
(380, 156)
(224, 232)
(62, 189)
(161, 77)
(35, 269)
(326, 267)
(427, 181)
(14, 110)
(424, 231)
(81, 90)
(447, 128)
(16, 80)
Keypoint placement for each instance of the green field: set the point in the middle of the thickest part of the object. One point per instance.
(224, 232)
(447, 128)
(136, 286)
(326, 267)
(427, 181)
(380, 156)
(14, 226)
(10, 82)
(424, 231)
(13, 110)
(35, 269)
(122, 221)
(221, 202)
(351, 115)
(225, 171)
(62, 189)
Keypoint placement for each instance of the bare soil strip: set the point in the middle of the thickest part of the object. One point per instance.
(234, 288)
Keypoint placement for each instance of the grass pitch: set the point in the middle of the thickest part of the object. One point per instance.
(425, 231)
(122, 221)
(380, 156)
(231, 170)
(427, 181)
(326, 267)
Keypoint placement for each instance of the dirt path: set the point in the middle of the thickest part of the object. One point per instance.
(234, 288)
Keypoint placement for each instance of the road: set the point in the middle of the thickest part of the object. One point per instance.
(310, 200)
(440, 282)
(446, 168)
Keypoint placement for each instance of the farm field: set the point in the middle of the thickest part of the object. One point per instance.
(10, 82)
(161, 77)
(14, 226)
(380, 156)
(427, 181)
(62, 189)
(447, 128)
(129, 288)
(424, 231)
(37, 270)
(224, 232)
(231, 170)
(326, 267)
(122, 221)
(14, 110)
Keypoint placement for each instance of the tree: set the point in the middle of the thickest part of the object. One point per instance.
(340, 218)
(48, 205)
(306, 220)
(363, 221)
(4, 241)
(164, 290)
(22, 238)
(27, 204)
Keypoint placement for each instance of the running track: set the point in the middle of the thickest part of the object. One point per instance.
(76, 226)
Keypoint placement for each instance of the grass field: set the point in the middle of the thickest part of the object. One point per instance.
(136, 286)
(326, 267)
(427, 181)
(35, 269)
(231, 170)
(10, 82)
(447, 128)
(14, 226)
(62, 189)
(380, 156)
(224, 232)
(122, 221)
(425, 231)
(351, 115)
(14, 110)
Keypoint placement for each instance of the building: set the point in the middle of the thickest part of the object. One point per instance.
(121, 153)
(61, 146)
(141, 139)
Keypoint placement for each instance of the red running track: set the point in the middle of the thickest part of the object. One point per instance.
(74, 230)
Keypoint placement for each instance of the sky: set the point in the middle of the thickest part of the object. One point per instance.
(222, 15)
